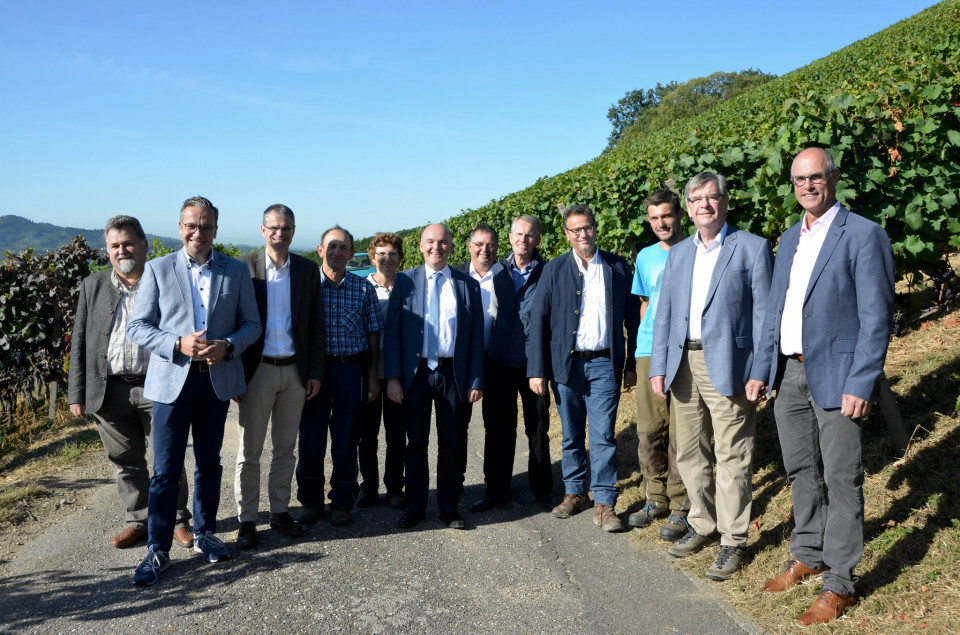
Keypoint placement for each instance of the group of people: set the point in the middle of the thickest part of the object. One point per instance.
(319, 355)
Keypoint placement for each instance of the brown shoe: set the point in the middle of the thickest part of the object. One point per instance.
(604, 516)
(795, 572)
(829, 606)
(286, 525)
(572, 504)
(128, 537)
(183, 536)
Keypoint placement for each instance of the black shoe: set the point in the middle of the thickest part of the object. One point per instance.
(247, 535)
(409, 519)
(546, 500)
(310, 515)
(368, 498)
(487, 503)
(453, 520)
(397, 499)
(286, 525)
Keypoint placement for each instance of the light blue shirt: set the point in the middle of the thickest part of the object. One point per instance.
(647, 277)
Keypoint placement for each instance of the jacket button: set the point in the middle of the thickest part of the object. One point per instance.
(574, 332)
(578, 293)
(576, 311)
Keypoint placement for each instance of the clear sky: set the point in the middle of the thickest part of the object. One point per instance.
(374, 115)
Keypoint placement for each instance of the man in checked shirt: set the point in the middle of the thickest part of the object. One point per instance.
(352, 324)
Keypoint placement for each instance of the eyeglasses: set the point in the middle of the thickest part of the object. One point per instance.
(385, 255)
(484, 245)
(283, 229)
(816, 178)
(585, 229)
(700, 200)
(203, 229)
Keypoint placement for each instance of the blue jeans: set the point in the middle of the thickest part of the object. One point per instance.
(333, 410)
(591, 393)
(197, 408)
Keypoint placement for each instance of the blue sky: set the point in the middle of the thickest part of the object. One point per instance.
(374, 115)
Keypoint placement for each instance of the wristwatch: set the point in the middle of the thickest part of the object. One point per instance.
(176, 346)
(230, 349)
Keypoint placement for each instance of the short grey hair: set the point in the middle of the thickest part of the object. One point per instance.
(280, 209)
(704, 178)
(529, 218)
(122, 222)
(202, 203)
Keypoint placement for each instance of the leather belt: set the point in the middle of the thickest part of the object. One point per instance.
(356, 358)
(199, 367)
(129, 380)
(442, 361)
(588, 355)
(694, 345)
(797, 357)
(279, 361)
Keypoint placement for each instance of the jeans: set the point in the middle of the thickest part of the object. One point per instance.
(597, 398)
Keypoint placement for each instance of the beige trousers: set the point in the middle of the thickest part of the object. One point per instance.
(713, 429)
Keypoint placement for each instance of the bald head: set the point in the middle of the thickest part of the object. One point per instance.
(436, 245)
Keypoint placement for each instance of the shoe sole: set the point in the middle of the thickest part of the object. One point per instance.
(687, 554)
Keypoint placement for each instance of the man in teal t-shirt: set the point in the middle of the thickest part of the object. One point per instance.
(657, 451)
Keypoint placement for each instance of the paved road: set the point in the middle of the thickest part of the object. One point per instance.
(516, 569)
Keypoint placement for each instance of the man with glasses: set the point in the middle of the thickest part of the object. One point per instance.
(195, 312)
(712, 302)
(822, 349)
(482, 267)
(433, 358)
(283, 368)
(576, 340)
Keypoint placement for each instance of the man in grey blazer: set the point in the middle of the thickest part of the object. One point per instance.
(712, 302)
(433, 354)
(106, 378)
(822, 350)
(283, 369)
(195, 312)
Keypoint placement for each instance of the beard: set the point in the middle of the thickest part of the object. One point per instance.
(126, 265)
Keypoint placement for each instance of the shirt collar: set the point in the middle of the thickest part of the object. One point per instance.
(823, 222)
(445, 271)
(117, 282)
(718, 240)
(273, 267)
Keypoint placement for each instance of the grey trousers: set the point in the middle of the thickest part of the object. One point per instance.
(821, 455)
(125, 426)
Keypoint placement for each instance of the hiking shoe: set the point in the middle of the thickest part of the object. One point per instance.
(286, 525)
(572, 504)
(310, 515)
(149, 570)
(650, 512)
(339, 517)
(604, 516)
(675, 528)
(728, 561)
(211, 547)
(692, 543)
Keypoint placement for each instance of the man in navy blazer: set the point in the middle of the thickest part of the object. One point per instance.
(576, 340)
(433, 360)
(195, 312)
(822, 350)
(712, 302)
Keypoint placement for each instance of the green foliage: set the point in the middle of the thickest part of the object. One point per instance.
(314, 256)
(885, 106)
(38, 296)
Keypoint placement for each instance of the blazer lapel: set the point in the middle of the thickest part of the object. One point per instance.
(723, 259)
(297, 282)
(216, 279)
(826, 250)
(183, 282)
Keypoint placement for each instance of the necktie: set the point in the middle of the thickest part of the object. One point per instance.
(433, 322)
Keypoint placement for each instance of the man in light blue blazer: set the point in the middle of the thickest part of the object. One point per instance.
(712, 302)
(195, 312)
(823, 346)
(433, 354)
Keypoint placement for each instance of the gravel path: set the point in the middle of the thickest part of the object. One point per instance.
(516, 569)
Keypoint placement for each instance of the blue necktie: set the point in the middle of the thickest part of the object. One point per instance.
(433, 322)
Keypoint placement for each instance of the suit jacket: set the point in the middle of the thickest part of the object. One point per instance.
(90, 339)
(556, 316)
(732, 314)
(508, 342)
(163, 311)
(306, 308)
(404, 330)
(847, 310)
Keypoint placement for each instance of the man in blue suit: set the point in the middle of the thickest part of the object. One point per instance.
(822, 350)
(712, 302)
(576, 339)
(433, 355)
(195, 312)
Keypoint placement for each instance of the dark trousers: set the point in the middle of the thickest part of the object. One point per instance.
(395, 432)
(436, 389)
(502, 384)
(198, 410)
(331, 411)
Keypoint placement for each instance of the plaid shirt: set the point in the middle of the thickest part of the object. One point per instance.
(350, 311)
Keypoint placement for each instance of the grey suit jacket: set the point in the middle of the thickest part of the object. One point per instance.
(306, 309)
(404, 330)
(732, 315)
(847, 310)
(90, 339)
(163, 311)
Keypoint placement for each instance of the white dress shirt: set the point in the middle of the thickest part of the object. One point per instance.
(703, 265)
(487, 298)
(278, 331)
(200, 285)
(448, 312)
(804, 259)
(592, 331)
